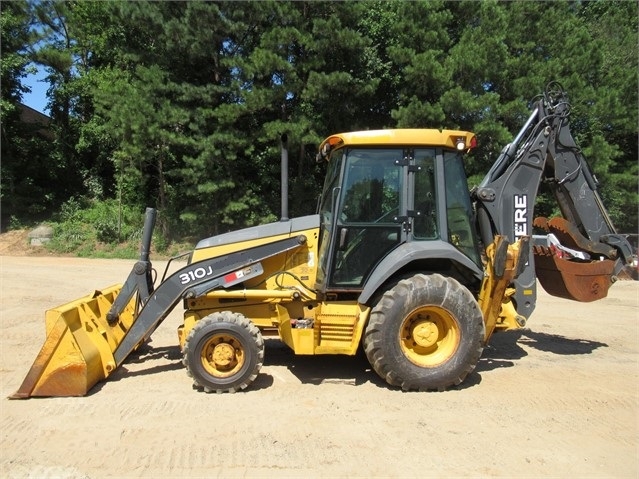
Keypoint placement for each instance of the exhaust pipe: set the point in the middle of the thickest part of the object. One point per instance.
(147, 233)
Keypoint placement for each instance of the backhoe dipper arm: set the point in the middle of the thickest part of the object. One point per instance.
(544, 150)
(575, 189)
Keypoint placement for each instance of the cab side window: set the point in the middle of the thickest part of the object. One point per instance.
(425, 224)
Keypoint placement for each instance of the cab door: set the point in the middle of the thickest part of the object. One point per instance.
(370, 207)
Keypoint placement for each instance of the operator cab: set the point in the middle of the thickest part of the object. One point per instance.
(389, 188)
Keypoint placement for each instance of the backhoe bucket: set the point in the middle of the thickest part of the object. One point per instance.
(582, 281)
(78, 350)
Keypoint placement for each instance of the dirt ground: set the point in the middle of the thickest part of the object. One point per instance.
(557, 399)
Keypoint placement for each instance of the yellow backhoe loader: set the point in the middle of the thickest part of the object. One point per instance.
(400, 259)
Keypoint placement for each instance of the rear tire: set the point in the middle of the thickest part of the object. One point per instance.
(426, 333)
(224, 352)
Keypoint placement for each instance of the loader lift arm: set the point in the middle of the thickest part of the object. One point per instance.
(545, 150)
(195, 280)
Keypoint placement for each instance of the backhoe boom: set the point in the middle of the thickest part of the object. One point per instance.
(544, 150)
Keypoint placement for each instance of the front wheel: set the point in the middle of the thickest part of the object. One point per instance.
(223, 352)
(426, 333)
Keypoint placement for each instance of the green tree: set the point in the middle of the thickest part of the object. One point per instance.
(14, 25)
(54, 50)
(164, 98)
(306, 75)
(214, 87)
(612, 114)
(26, 192)
(422, 45)
(181, 105)
(483, 62)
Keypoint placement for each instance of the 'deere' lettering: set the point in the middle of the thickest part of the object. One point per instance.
(521, 218)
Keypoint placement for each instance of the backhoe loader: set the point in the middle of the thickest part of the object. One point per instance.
(400, 260)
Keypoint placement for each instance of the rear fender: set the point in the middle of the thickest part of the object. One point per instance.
(407, 253)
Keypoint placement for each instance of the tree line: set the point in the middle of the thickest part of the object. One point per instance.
(181, 105)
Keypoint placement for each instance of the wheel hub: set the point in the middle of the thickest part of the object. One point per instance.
(429, 336)
(425, 333)
(223, 355)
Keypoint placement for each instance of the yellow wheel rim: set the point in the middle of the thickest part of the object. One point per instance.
(222, 355)
(429, 336)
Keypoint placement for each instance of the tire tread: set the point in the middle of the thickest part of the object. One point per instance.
(444, 292)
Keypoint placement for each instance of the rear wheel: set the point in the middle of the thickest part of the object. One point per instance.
(223, 352)
(426, 333)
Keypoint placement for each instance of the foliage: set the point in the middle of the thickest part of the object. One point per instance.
(82, 223)
(103, 229)
(22, 176)
(182, 105)
(14, 28)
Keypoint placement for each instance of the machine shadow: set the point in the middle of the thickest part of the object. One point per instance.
(145, 354)
(322, 369)
(505, 349)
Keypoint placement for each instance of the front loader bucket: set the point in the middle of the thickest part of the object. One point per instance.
(78, 350)
(582, 281)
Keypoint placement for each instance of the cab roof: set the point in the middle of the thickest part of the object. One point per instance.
(405, 136)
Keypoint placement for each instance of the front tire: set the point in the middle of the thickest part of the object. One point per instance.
(224, 352)
(426, 333)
